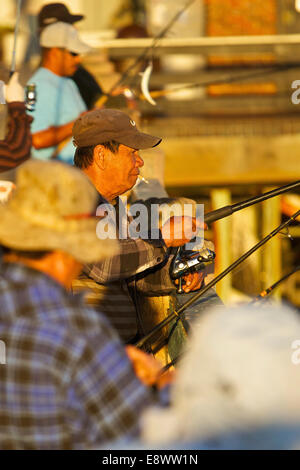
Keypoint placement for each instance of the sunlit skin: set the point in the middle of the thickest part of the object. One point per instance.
(148, 369)
(113, 174)
(59, 265)
(60, 61)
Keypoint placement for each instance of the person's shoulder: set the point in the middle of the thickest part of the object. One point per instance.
(38, 74)
(84, 318)
(45, 77)
(71, 85)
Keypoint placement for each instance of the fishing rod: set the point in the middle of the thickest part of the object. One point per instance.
(13, 62)
(266, 292)
(225, 211)
(144, 54)
(185, 262)
(262, 296)
(170, 364)
(182, 265)
(211, 284)
(222, 80)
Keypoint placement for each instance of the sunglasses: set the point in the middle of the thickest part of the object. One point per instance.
(74, 54)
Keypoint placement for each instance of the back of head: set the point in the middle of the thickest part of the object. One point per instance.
(238, 373)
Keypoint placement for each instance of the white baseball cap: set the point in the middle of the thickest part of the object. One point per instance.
(65, 36)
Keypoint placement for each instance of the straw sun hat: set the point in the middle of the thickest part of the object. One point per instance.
(52, 209)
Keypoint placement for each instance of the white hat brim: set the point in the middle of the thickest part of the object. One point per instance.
(64, 36)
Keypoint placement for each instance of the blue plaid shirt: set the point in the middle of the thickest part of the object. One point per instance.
(67, 382)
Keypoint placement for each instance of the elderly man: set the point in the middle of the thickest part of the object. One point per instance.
(107, 151)
(59, 102)
(66, 382)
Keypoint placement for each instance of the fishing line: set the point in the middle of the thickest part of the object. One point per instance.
(224, 80)
(13, 62)
(144, 54)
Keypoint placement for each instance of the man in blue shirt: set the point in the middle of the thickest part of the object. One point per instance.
(88, 86)
(59, 102)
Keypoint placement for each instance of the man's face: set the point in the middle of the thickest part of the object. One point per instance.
(122, 168)
(68, 62)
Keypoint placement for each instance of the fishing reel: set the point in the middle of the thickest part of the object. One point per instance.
(30, 97)
(187, 261)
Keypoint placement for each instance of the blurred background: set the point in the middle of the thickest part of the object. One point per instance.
(223, 81)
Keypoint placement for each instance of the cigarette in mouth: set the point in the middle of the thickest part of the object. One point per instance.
(141, 178)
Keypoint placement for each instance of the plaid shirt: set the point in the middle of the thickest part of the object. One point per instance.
(16, 147)
(105, 283)
(143, 266)
(67, 383)
(134, 257)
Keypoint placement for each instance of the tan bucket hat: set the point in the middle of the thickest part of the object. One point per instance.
(53, 208)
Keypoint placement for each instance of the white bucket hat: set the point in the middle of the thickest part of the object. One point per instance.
(240, 372)
(65, 36)
(53, 208)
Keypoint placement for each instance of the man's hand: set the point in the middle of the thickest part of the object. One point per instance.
(119, 90)
(179, 230)
(13, 90)
(147, 368)
(193, 281)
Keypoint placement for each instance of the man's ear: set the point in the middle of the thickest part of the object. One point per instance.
(99, 156)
